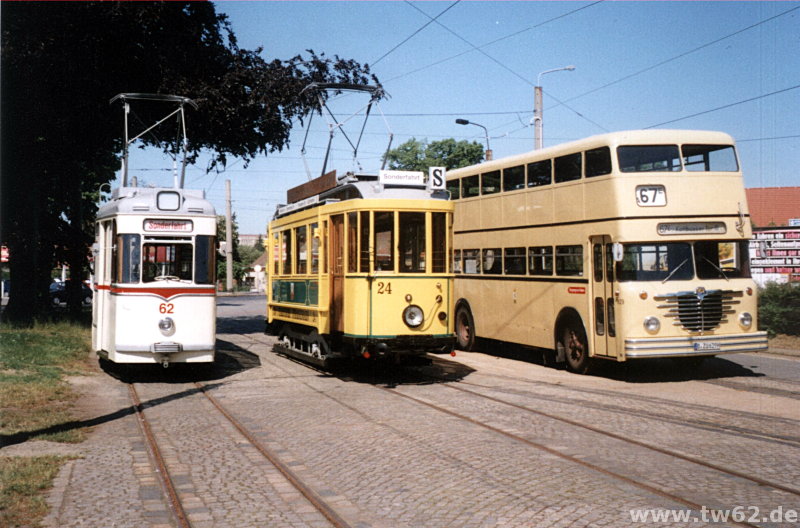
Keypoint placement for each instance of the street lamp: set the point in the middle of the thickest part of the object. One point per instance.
(485, 132)
(537, 104)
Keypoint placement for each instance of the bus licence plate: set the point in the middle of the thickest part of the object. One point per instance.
(651, 196)
(706, 347)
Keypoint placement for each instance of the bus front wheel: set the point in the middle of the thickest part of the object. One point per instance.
(465, 328)
(576, 348)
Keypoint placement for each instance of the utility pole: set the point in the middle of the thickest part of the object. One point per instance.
(228, 238)
(538, 111)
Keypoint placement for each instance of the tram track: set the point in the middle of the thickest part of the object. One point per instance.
(172, 495)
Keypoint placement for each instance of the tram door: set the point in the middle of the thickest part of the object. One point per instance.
(605, 333)
(337, 273)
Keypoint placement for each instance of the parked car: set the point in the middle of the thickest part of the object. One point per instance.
(60, 290)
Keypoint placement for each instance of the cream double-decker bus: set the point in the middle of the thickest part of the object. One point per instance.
(620, 246)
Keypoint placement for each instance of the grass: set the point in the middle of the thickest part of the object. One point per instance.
(35, 399)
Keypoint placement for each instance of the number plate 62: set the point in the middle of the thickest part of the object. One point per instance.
(651, 196)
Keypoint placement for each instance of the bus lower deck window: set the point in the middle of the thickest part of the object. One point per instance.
(569, 260)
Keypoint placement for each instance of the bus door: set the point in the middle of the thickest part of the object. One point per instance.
(337, 273)
(603, 328)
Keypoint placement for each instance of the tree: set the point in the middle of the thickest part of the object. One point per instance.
(62, 62)
(419, 155)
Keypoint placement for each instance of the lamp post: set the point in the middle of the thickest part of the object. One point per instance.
(537, 104)
(485, 132)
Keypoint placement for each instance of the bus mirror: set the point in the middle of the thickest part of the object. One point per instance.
(617, 251)
(223, 249)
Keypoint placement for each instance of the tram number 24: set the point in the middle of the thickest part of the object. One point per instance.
(166, 308)
(384, 288)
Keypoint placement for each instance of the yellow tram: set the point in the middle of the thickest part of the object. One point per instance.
(360, 266)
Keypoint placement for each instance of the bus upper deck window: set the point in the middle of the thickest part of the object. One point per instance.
(649, 158)
(568, 168)
(540, 173)
(454, 188)
(709, 158)
(598, 162)
(470, 186)
(490, 182)
(514, 178)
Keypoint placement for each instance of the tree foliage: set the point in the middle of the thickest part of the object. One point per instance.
(62, 62)
(779, 308)
(419, 155)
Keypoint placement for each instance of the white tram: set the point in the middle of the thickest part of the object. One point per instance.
(155, 267)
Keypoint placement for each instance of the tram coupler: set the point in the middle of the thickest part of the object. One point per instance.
(165, 362)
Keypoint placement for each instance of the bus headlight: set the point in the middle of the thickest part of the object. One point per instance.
(652, 324)
(167, 326)
(413, 316)
(746, 320)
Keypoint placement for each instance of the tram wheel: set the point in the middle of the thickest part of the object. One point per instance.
(576, 348)
(465, 328)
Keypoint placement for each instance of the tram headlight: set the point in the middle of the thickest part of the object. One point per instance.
(745, 319)
(413, 316)
(167, 326)
(652, 324)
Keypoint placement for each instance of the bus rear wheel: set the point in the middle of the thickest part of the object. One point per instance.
(465, 328)
(576, 348)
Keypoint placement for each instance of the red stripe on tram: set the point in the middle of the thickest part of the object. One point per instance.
(164, 293)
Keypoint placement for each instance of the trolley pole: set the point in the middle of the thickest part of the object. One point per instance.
(228, 238)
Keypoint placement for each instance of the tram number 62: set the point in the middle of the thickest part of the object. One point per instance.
(384, 287)
(166, 308)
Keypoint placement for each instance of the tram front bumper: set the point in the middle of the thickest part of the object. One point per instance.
(404, 345)
(705, 345)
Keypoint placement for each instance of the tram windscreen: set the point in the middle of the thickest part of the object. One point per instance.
(167, 261)
(412, 242)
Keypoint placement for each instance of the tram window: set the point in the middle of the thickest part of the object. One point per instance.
(598, 162)
(162, 260)
(493, 261)
(709, 158)
(412, 242)
(457, 261)
(286, 252)
(128, 257)
(454, 188)
(314, 248)
(649, 158)
(540, 173)
(352, 242)
(384, 241)
(569, 260)
(514, 261)
(540, 260)
(470, 186)
(568, 168)
(439, 242)
(276, 253)
(514, 178)
(472, 261)
(205, 259)
(490, 182)
(301, 239)
(364, 244)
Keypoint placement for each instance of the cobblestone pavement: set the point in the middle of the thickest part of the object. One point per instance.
(406, 449)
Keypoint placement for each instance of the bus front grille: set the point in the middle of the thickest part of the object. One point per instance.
(699, 310)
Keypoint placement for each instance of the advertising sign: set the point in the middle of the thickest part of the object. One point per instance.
(775, 255)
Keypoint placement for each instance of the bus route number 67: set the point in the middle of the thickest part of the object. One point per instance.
(166, 308)
(651, 196)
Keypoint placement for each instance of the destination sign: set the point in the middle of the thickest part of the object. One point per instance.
(692, 228)
(405, 178)
(168, 226)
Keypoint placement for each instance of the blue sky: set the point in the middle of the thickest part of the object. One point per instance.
(729, 66)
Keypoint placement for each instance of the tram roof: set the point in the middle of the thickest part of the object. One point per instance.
(156, 201)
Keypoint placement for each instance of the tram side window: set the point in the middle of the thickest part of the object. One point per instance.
(470, 186)
(472, 261)
(709, 158)
(514, 178)
(454, 188)
(128, 258)
(276, 240)
(569, 261)
(384, 241)
(162, 260)
(205, 259)
(598, 162)
(301, 259)
(493, 261)
(457, 261)
(314, 248)
(412, 242)
(286, 252)
(649, 158)
(568, 168)
(540, 173)
(540, 260)
(514, 261)
(439, 242)
(364, 245)
(490, 182)
(352, 242)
